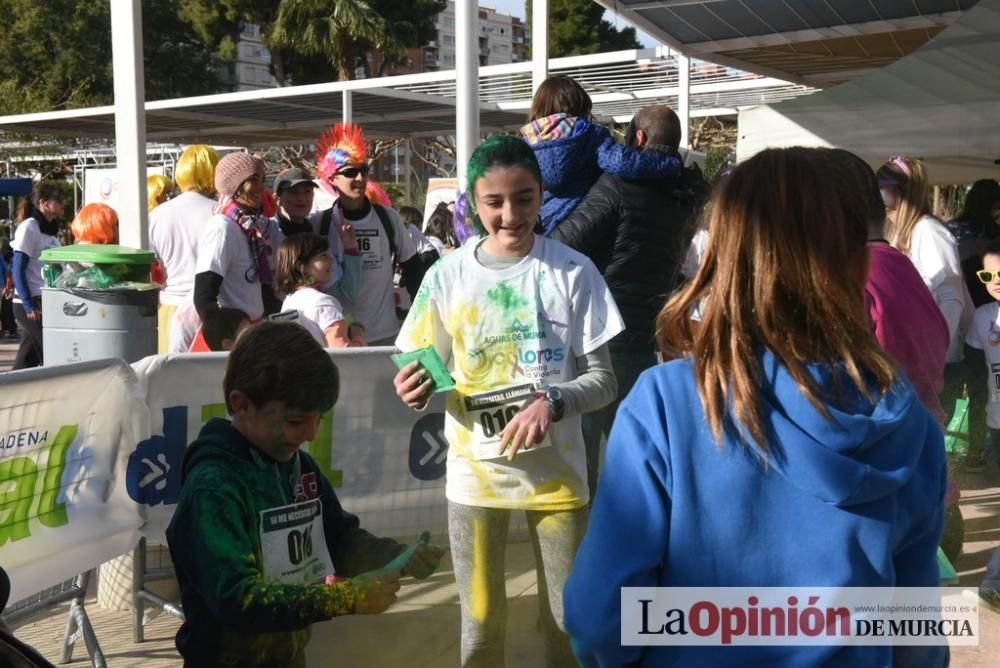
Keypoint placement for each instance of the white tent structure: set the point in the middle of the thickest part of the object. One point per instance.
(940, 103)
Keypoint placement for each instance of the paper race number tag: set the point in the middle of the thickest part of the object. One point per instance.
(487, 413)
(294, 544)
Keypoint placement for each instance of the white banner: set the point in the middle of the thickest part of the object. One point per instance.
(386, 462)
(66, 435)
(91, 456)
(439, 191)
(101, 185)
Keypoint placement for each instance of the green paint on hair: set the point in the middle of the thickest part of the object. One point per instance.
(498, 151)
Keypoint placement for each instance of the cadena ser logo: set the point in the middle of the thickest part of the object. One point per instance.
(30, 482)
(799, 616)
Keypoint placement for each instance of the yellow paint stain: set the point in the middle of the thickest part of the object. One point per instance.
(555, 491)
(463, 315)
(479, 596)
(422, 329)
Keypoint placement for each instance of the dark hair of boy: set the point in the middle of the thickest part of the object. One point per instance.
(411, 215)
(221, 324)
(992, 248)
(281, 361)
(293, 255)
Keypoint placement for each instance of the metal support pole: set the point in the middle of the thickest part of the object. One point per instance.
(138, 584)
(78, 625)
(130, 121)
(466, 83)
(409, 170)
(539, 43)
(684, 97)
(347, 110)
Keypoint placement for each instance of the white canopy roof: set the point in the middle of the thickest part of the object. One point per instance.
(419, 104)
(941, 104)
(814, 42)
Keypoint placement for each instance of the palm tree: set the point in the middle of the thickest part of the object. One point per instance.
(329, 29)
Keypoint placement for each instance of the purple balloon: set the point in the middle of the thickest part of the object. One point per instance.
(463, 223)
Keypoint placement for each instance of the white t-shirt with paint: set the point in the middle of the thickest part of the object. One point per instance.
(503, 333)
(174, 229)
(224, 249)
(984, 334)
(375, 307)
(30, 240)
(317, 311)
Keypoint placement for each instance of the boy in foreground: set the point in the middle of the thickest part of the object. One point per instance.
(258, 527)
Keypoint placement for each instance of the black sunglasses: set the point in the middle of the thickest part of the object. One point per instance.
(352, 172)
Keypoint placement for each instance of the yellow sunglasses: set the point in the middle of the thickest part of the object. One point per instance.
(987, 276)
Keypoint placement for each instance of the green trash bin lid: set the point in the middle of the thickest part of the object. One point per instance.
(98, 254)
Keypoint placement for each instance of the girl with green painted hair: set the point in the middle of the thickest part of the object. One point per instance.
(498, 151)
(522, 323)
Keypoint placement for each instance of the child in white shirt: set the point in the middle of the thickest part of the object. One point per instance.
(984, 335)
(303, 272)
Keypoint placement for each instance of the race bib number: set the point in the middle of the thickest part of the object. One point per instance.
(294, 544)
(487, 413)
(370, 249)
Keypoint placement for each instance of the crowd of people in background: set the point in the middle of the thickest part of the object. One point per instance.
(793, 340)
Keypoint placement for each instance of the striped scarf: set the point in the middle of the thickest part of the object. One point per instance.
(257, 231)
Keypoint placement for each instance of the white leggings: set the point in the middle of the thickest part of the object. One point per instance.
(478, 539)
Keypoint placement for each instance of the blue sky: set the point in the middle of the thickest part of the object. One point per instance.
(516, 8)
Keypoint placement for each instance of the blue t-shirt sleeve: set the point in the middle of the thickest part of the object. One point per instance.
(21, 280)
(633, 502)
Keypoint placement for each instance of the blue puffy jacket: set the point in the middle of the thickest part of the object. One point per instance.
(571, 165)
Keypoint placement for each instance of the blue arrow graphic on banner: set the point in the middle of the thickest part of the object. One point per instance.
(153, 475)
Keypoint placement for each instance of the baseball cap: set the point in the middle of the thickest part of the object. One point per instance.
(290, 178)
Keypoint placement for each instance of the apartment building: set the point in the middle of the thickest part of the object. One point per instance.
(251, 69)
(502, 39)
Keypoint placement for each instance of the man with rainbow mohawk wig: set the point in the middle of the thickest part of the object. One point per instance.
(342, 166)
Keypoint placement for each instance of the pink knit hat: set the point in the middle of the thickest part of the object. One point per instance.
(233, 170)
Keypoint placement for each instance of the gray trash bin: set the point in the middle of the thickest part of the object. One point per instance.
(86, 323)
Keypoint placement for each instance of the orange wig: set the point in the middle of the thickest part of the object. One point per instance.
(96, 224)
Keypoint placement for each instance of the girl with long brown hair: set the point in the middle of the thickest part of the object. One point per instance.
(779, 445)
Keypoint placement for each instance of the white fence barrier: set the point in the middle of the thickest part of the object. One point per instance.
(67, 434)
(91, 456)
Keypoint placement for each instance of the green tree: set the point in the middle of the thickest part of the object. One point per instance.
(57, 55)
(577, 28)
(313, 41)
(326, 29)
(407, 24)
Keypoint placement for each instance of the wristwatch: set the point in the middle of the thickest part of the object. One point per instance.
(554, 399)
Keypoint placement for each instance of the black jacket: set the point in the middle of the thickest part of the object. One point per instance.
(637, 233)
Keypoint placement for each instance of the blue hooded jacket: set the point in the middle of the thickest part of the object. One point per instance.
(572, 164)
(857, 502)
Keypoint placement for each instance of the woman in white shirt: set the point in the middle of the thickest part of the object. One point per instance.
(912, 229)
(39, 224)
